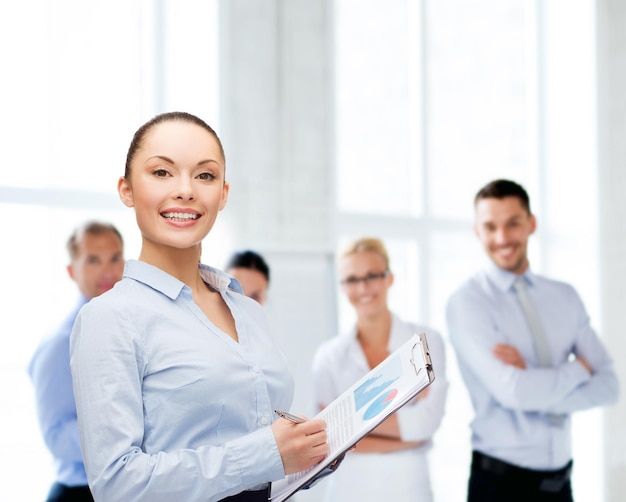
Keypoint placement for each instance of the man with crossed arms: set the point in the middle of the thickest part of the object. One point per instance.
(529, 359)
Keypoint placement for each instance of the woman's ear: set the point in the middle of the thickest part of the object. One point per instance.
(125, 192)
(225, 191)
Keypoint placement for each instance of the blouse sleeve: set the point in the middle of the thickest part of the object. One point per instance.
(108, 364)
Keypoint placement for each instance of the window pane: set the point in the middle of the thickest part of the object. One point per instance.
(478, 98)
(190, 60)
(375, 170)
(84, 92)
(91, 72)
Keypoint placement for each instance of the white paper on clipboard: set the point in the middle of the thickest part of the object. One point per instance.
(362, 407)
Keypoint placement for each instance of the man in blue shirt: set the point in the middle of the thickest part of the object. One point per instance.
(528, 356)
(96, 264)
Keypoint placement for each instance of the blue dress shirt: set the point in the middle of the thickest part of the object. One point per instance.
(511, 404)
(169, 406)
(49, 370)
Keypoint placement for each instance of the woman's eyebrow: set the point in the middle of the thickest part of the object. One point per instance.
(170, 161)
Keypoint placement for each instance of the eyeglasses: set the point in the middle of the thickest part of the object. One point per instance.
(369, 278)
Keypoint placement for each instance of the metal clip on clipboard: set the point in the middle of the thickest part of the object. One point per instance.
(428, 364)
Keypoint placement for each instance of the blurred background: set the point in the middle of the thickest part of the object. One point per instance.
(339, 118)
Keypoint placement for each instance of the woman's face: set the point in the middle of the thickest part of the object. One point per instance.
(176, 185)
(252, 281)
(365, 281)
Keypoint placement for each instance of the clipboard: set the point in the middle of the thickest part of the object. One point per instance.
(362, 407)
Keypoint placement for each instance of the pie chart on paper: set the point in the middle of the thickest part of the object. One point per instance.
(379, 404)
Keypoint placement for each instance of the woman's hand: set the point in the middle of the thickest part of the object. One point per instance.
(300, 445)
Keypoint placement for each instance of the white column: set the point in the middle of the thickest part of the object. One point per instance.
(611, 38)
(276, 119)
(276, 125)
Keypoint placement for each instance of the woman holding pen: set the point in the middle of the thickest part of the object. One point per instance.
(390, 463)
(176, 376)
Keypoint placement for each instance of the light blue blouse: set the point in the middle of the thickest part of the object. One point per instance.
(511, 404)
(170, 407)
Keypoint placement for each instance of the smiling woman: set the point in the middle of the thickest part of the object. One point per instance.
(173, 184)
(169, 333)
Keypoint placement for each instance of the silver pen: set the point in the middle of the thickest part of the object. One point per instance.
(290, 417)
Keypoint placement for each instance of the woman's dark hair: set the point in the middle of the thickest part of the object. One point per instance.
(499, 189)
(139, 136)
(251, 260)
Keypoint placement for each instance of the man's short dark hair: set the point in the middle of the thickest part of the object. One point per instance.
(501, 188)
(91, 228)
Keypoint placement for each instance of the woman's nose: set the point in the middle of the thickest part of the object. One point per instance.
(184, 190)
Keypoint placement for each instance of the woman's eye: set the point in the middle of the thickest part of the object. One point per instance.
(206, 176)
(160, 173)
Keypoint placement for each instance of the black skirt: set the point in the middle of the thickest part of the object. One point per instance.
(250, 496)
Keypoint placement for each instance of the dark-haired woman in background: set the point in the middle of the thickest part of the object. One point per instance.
(252, 272)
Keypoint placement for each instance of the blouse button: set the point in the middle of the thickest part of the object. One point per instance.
(264, 420)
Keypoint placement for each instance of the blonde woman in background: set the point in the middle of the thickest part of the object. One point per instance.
(390, 463)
